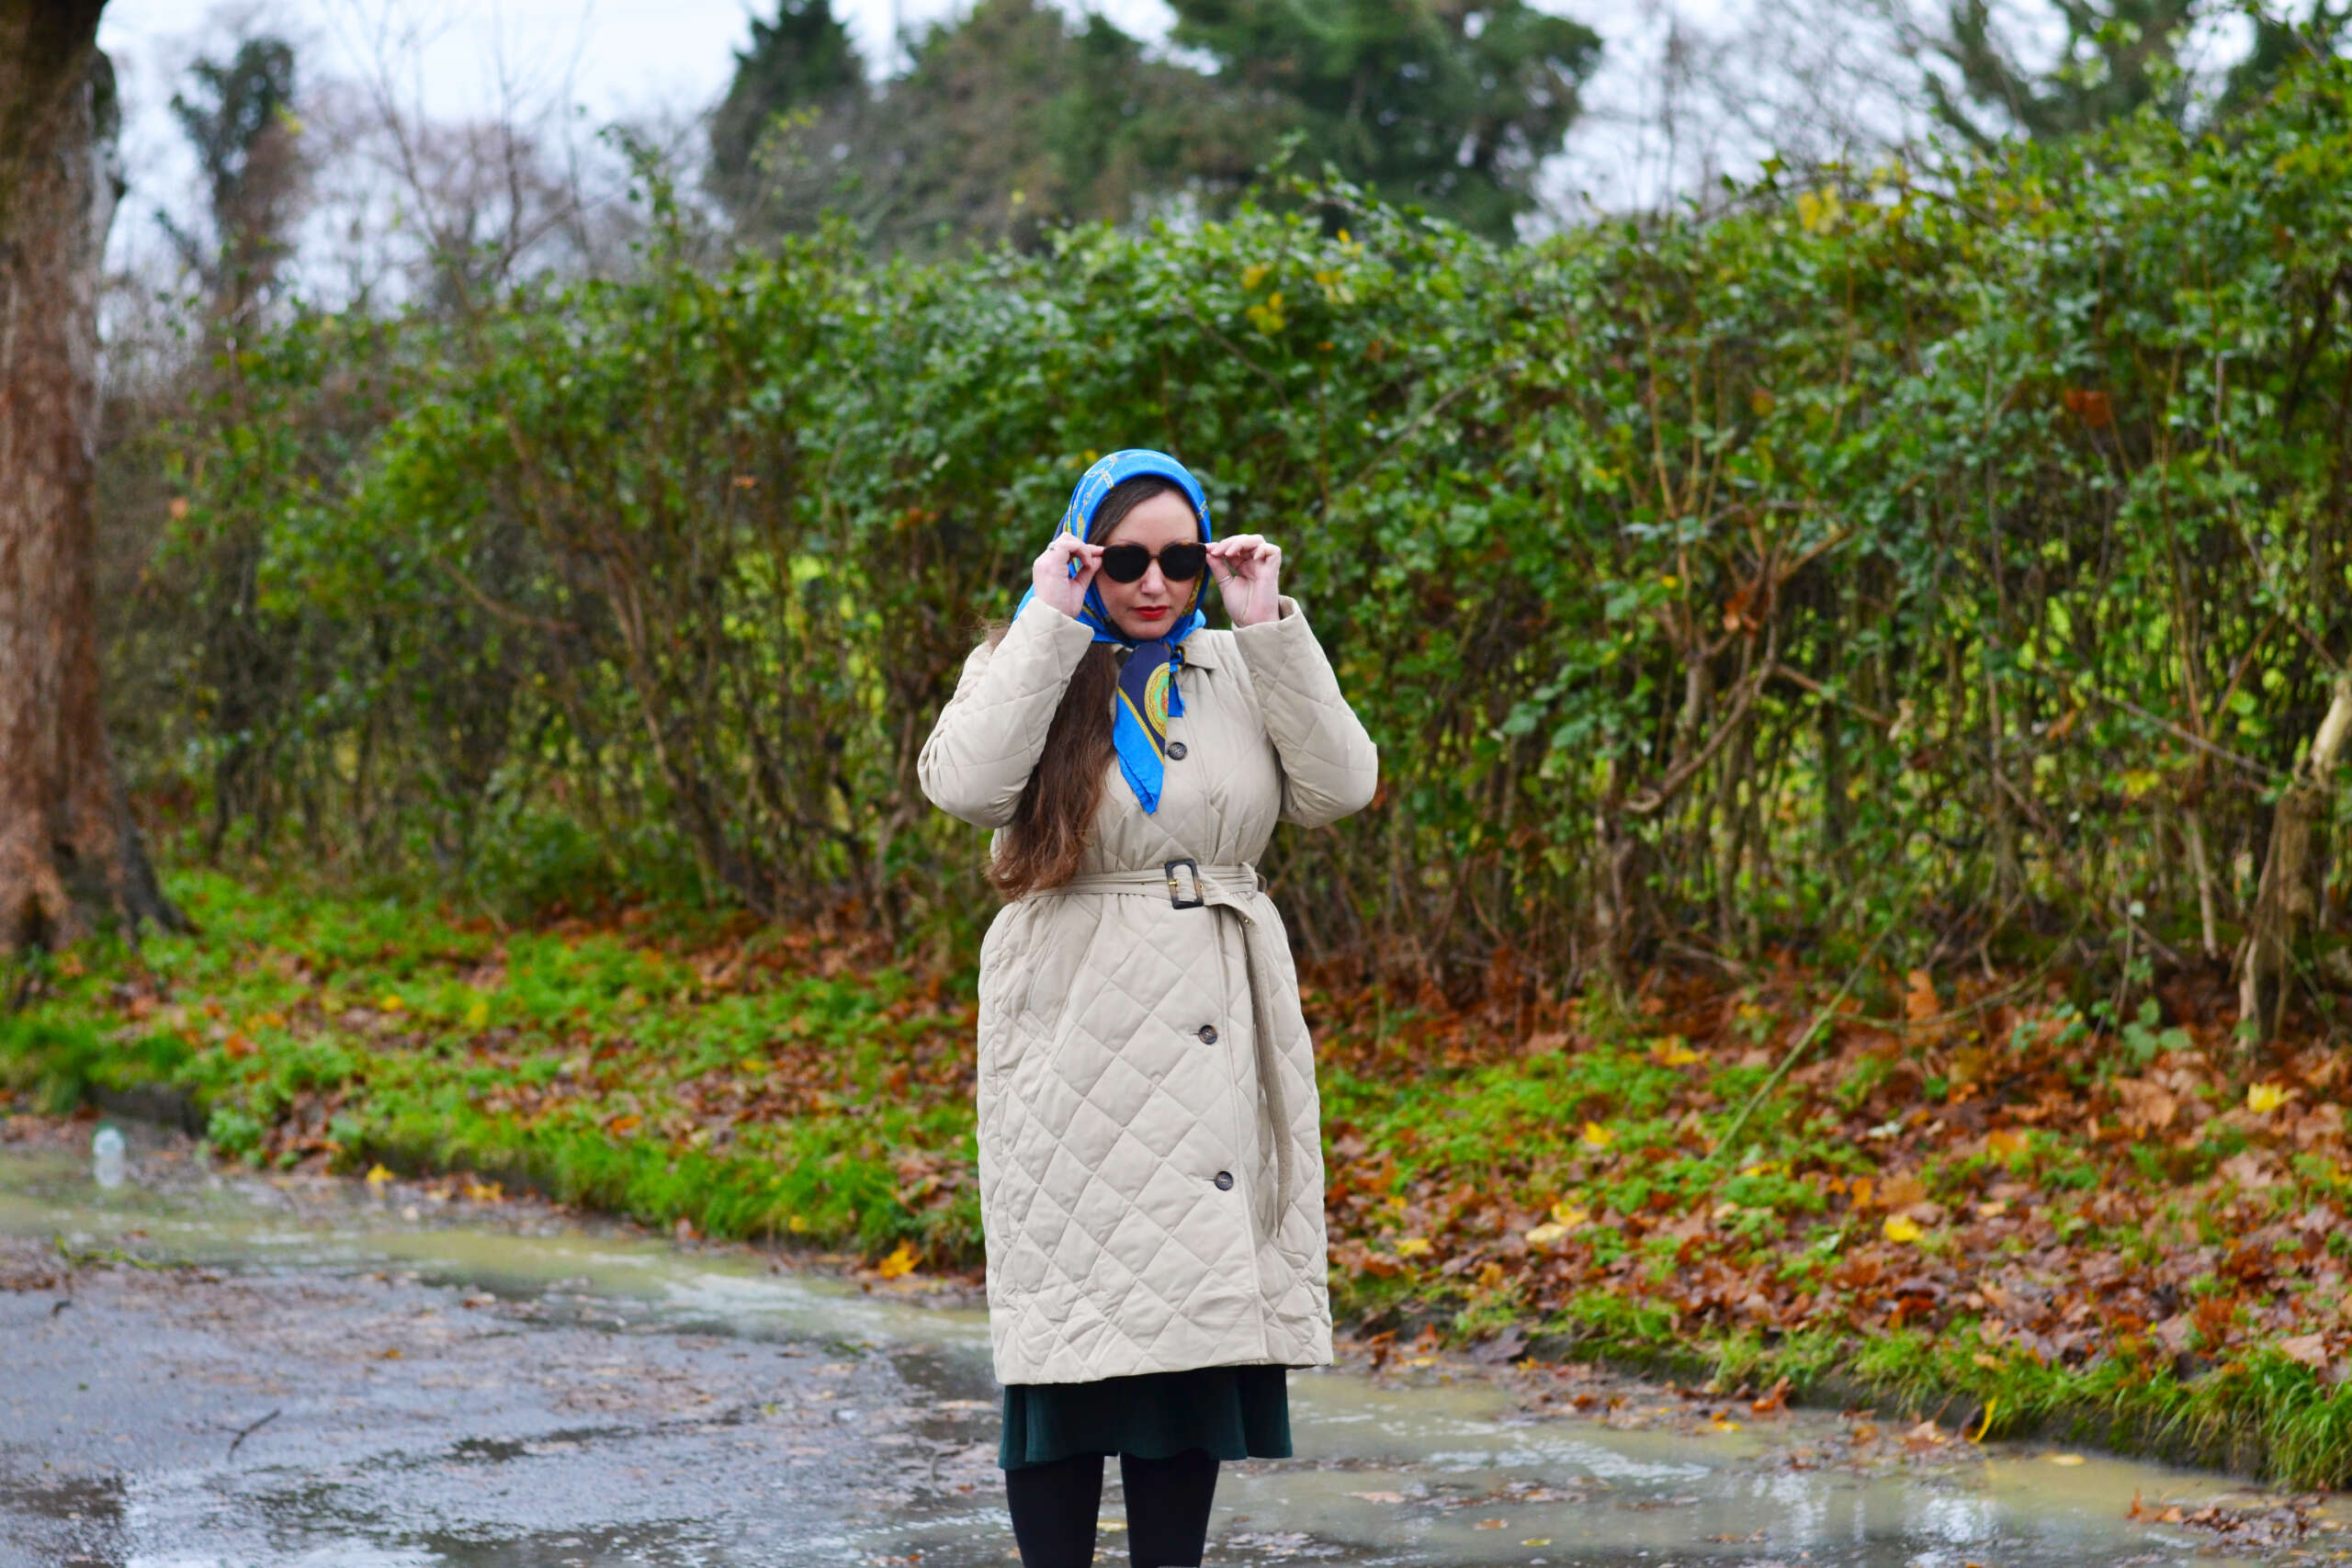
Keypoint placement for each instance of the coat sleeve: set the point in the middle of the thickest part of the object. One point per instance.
(988, 736)
(1330, 765)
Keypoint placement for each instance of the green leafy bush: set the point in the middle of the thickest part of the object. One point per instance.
(1961, 548)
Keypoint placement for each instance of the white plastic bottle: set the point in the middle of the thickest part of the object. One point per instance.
(106, 1156)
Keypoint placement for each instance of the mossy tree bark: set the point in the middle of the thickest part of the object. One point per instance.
(2286, 898)
(70, 861)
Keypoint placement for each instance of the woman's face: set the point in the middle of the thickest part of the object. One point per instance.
(1149, 607)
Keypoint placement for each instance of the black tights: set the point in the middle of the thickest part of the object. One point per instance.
(1054, 1508)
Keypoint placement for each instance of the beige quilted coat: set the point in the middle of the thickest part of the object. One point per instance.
(1152, 1169)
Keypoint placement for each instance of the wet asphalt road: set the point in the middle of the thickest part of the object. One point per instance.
(382, 1421)
(208, 1368)
(378, 1419)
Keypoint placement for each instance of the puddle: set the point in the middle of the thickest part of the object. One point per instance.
(894, 1396)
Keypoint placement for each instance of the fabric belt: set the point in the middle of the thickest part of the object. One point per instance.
(1185, 884)
(1188, 885)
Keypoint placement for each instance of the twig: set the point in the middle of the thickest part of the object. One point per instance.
(1804, 1041)
(1410, 425)
(1798, 677)
(1650, 802)
(505, 612)
(1982, 1004)
(249, 1431)
(1235, 349)
(2178, 733)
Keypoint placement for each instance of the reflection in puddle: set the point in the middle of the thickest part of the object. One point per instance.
(1427, 1472)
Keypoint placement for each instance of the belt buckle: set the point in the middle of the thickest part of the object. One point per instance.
(1176, 900)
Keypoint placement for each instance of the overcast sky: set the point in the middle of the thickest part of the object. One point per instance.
(623, 57)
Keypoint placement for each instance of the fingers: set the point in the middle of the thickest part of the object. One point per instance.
(1064, 570)
(1246, 553)
(1071, 558)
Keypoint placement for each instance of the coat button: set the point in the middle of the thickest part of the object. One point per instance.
(1207, 1033)
(1225, 1181)
(1175, 751)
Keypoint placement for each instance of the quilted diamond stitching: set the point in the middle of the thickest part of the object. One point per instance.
(1109, 1249)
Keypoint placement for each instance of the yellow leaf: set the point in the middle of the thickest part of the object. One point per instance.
(378, 1176)
(798, 1224)
(478, 1014)
(1722, 1424)
(2265, 1097)
(390, 1002)
(2065, 1458)
(1761, 401)
(1671, 1052)
(901, 1261)
(1901, 1228)
(1568, 1214)
(486, 1192)
(1598, 1136)
(1253, 275)
(2002, 1143)
(1545, 1236)
(1411, 1246)
(1537, 1540)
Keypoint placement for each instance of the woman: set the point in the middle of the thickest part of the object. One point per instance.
(1151, 1171)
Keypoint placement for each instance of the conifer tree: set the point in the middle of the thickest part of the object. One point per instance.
(803, 64)
(1449, 104)
(238, 121)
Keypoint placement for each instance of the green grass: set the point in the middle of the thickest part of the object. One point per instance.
(598, 1067)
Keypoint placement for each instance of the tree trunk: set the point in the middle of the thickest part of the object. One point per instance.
(69, 859)
(2285, 899)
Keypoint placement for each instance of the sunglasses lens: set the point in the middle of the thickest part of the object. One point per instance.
(1182, 563)
(1126, 563)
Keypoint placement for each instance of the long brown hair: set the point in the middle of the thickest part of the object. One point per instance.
(1055, 816)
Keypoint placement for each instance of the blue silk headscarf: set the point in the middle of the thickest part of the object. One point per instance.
(1148, 696)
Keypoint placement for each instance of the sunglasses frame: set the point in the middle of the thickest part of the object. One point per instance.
(1161, 557)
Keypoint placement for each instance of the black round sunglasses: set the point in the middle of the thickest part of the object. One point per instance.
(1178, 563)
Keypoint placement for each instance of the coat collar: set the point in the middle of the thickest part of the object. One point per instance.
(1205, 649)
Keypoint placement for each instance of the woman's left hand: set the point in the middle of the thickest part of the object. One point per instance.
(1249, 576)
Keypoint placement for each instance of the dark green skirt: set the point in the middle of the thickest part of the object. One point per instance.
(1232, 1412)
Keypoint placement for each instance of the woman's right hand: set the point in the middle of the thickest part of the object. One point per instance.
(1050, 576)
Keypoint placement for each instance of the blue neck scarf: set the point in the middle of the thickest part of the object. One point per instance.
(1149, 694)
